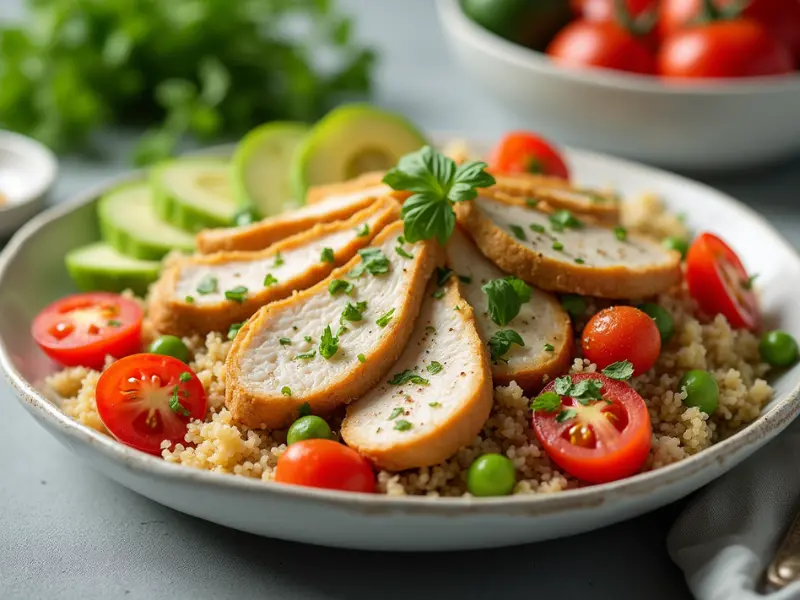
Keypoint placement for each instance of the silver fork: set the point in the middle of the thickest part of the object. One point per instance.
(785, 566)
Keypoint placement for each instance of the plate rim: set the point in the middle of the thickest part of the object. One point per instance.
(773, 421)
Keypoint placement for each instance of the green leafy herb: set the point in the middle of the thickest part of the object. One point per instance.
(748, 283)
(443, 274)
(175, 404)
(621, 370)
(537, 228)
(531, 202)
(306, 355)
(465, 279)
(308, 338)
(402, 425)
(574, 304)
(547, 402)
(549, 348)
(566, 415)
(342, 329)
(185, 377)
(506, 296)
(408, 376)
(564, 219)
(363, 231)
(403, 253)
(579, 261)
(434, 404)
(384, 319)
(437, 183)
(500, 343)
(337, 286)
(189, 299)
(438, 294)
(328, 343)
(584, 391)
(621, 233)
(278, 260)
(237, 294)
(234, 329)
(362, 358)
(327, 255)
(434, 367)
(558, 246)
(304, 410)
(269, 280)
(207, 285)
(518, 232)
(285, 341)
(287, 391)
(372, 260)
(354, 312)
(114, 323)
(396, 412)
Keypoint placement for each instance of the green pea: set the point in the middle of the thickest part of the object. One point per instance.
(778, 348)
(308, 428)
(702, 390)
(491, 475)
(575, 305)
(170, 345)
(676, 243)
(245, 216)
(663, 320)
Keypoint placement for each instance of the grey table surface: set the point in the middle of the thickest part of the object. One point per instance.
(68, 532)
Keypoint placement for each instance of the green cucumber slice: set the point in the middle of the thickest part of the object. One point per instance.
(351, 140)
(99, 267)
(194, 193)
(130, 225)
(261, 166)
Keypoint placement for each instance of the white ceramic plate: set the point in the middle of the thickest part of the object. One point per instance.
(380, 522)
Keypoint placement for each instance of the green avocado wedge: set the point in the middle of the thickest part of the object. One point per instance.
(351, 140)
(261, 166)
(129, 224)
(98, 267)
(194, 193)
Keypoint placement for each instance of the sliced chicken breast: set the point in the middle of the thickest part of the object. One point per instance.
(337, 205)
(283, 357)
(209, 293)
(372, 180)
(435, 399)
(556, 193)
(580, 258)
(542, 323)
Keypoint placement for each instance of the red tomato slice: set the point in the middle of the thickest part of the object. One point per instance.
(719, 283)
(599, 442)
(83, 328)
(524, 152)
(325, 464)
(145, 399)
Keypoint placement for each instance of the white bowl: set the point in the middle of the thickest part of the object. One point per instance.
(27, 172)
(687, 127)
(395, 523)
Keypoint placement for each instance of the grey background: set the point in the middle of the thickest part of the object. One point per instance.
(67, 532)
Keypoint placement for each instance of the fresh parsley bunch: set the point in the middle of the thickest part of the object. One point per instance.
(437, 183)
(204, 67)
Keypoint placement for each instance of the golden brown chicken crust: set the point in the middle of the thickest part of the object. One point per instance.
(318, 193)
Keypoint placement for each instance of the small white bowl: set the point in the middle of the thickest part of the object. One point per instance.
(705, 126)
(27, 173)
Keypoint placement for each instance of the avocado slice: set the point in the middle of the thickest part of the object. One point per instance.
(98, 267)
(261, 166)
(194, 193)
(351, 140)
(129, 224)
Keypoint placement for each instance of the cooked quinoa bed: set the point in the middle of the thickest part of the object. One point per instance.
(220, 444)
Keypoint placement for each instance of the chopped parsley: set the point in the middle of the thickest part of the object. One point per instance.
(558, 246)
(549, 348)
(403, 253)
(531, 202)
(384, 319)
(621, 233)
(278, 260)
(434, 404)
(434, 367)
(306, 355)
(185, 377)
(402, 425)
(114, 323)
(518, 232)
(438, 294)
(579, 261)
(285, 341)
(564, 219)
(342, 329)
(363, 231)
(574, 304)
(748, 284)
(506, 296)
(328, 344)
(465, 279)
(500, 343)
(362, 358)
(189, 299)
(304, 410)
(408, 376)
(308, 339)
(437, 183)
(286, 390)
(175, 404)
(234, 329)
(584, 391)
(566, 415)
(353, 312)
(621, 370)
(237, 294)
(443, 275)
(207, 285)
(396, 412)
(373, 260)
(537, 228)
(327, 255)
(547, 402)
(337, 286)
(269, 280)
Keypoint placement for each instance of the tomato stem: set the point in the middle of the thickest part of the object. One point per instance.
(710, 12)
(636, 26)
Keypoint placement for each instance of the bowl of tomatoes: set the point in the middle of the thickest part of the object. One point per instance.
(685, 84)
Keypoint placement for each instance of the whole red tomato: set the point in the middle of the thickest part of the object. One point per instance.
(781, 18)
(722, 49)
(601, 44)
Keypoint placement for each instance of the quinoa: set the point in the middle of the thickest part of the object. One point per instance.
(731, 355)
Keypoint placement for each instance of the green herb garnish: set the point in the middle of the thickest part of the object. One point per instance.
(465, 279)
(327, 255)
(566, 415)
(547, 402)
(114, 323)
(362, 358)
(308, 338)
(549, 348)
(286, 391)
(408, 376)
(337, 286)
(363, 231)
(531, 202)
(278, 260)
(438, 294)
(304, 410)
(518, 232)
(621, 233)
(434, 404)
(353, 312)
(443, 274)
(402, 425)
(500, 343)
(748, 283)
(372, 260)
(328, 343)
(236, 294)
(537, 228)
(564, 219)
(396, 412)
(269, 280)
(621, 370)
(584, 391)
(185, 377)
(384, 319)
(175, 404)
(306, 355)
(207, 285)
(189, 299)
(434, 367)
(558, 246)
(506, 296)
(574, 304)
(234, 329)
(284, 341)
(403, 253)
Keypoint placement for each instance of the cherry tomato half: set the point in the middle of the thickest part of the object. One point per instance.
(325, 464)
(597, 441)
(719, 283)
(145, 399)
(602, 44)
(83, 328)
(622, 333)
(525, 152)
(723, 49)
